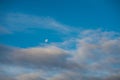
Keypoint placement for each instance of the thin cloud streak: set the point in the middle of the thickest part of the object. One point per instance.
(4, 30)
(22, 22)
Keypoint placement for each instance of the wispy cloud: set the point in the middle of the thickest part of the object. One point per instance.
(4, 30)
(23, 22)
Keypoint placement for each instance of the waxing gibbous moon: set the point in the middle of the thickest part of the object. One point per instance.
(46, 40)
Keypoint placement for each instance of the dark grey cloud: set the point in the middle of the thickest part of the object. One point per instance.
(5, 53)
(5, 77)
(114, 77)
(49, 57)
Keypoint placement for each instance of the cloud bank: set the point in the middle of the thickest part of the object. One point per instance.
(96, 56)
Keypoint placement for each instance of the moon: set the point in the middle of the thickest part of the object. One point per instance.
(46, 40)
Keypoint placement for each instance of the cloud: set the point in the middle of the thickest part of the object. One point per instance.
(95, 57)
(5, 77)
(45, 57)
(67, 75)
(114, 77)
(25, 22)
(49, 56)
(4, 30)
(30, 76)
(25, 76)
(99, 52)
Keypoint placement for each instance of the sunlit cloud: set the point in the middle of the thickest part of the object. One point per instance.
(95, 57)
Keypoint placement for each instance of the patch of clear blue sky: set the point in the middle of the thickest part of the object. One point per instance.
(85, 14)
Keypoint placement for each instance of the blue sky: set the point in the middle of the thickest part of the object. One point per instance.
(79, 14)
(59, 39)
